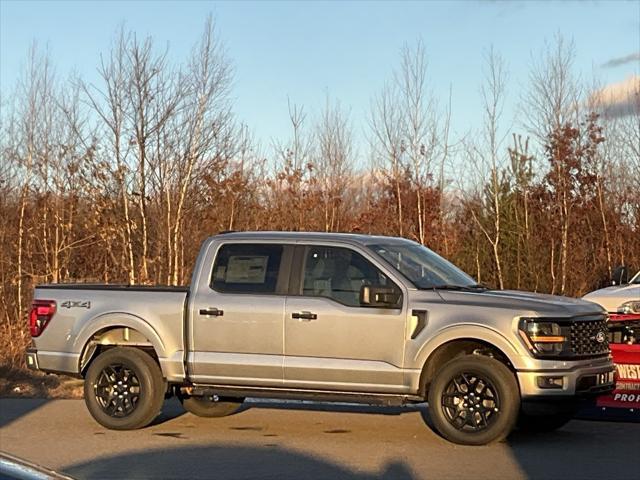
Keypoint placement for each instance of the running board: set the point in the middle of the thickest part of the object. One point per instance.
(388, 400)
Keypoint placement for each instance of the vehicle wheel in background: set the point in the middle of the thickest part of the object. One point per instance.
(124, 388)
(474, 400)
(211, 405)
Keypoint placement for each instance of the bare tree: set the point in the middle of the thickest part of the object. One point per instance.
(420, 133)
(294, 169)
(111, 106)
(554, 92)
(34, 113)
(411, 143)
(207, 125)
(334, 160)
(153, 95)
(487, 158)
(387, 146)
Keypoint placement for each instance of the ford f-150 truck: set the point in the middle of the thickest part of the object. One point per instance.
(328, 317)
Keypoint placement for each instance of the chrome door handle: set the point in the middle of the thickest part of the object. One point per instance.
(214, 312)
(304, 316)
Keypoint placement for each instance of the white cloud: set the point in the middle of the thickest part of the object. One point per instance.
(618, 99)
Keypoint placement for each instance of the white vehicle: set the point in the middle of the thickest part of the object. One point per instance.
(619, 299)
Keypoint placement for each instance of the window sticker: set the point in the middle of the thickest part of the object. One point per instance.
(247, 269)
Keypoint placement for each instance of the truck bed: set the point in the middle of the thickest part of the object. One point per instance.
(86, 311)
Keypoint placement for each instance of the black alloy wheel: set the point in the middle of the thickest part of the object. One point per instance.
(124, 388)
(470, 402)
(117, 390)
(473, 400)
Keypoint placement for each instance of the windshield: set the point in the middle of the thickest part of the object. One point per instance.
(636, 280)
(423, 267)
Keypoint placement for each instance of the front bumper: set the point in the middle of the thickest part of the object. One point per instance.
(585, 379)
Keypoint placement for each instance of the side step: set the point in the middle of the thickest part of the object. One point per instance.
(388, 400)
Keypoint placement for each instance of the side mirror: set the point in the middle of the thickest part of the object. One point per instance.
(381, 297)
(620, 275)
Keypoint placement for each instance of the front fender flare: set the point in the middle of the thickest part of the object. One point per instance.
(469, 332)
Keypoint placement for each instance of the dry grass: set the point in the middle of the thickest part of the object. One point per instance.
(14, 341)
(16, 380)
(21, 382)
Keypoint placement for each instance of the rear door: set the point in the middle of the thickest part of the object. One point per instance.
(331, 341)
(237, 316)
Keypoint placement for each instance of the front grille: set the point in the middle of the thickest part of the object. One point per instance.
(585, 335)
(626, 332)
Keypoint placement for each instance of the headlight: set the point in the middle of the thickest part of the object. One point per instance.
(542, 337)
(632, 306)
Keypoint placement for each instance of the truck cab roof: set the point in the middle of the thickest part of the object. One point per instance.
(353, 238)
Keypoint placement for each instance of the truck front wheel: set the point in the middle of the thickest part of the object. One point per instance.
(124, 389)
(474, 400)
(211, 405)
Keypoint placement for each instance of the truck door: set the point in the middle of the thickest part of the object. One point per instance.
(331, 341)
(237, 316)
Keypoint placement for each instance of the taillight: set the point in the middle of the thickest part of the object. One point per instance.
(40, 316)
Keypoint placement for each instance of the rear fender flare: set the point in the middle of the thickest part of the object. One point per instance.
(118, 320)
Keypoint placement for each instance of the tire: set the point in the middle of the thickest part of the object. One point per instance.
(208, 406)
(136, 400)
(545, 423)
(474, 400)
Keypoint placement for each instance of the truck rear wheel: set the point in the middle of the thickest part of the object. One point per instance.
(211, 405)
(124, 389)
(474, 400)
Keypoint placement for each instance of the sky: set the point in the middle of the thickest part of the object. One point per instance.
(304, 51)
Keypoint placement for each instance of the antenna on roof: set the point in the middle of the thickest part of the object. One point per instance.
(226, 231)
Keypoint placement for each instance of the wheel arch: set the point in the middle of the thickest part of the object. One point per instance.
(456, 347)
(111, 330)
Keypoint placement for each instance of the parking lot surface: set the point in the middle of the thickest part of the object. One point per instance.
(274, 440)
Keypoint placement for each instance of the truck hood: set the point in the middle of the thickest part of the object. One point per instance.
(611, 298)
(541, 304)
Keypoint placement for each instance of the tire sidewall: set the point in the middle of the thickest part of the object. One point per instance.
(502, 379)
(149, 387)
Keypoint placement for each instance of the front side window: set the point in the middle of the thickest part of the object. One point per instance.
(339, 274)
(425, 268)
(247, 268)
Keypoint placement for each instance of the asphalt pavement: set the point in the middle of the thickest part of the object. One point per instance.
(271, 440)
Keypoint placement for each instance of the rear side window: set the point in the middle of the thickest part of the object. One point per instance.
(247, 268)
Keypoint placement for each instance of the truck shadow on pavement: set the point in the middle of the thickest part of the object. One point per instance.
(15, 408)
(269, 462)
(581, 449)
(331, 407)
(170, 409)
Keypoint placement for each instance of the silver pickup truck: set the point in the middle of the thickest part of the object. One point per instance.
(327, 317)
